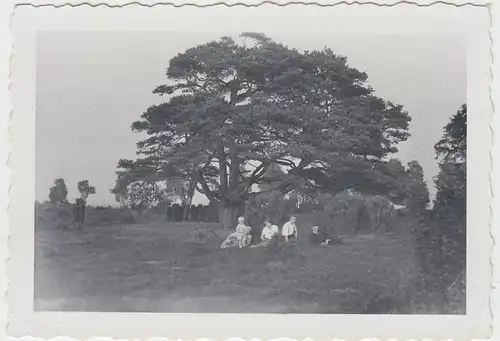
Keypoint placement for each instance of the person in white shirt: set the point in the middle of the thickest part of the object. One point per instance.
(289, 230)
(241, 237)
(243, 233)
(269, 232)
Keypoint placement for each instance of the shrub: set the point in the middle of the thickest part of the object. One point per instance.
(442, 236)
(54, 215)
(383, 215)
(360, 213)
(441, 239)
(109, 216)
(62, 215)
(442, 256)
(272, 206)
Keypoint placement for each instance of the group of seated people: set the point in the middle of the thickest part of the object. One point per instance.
(242, 237)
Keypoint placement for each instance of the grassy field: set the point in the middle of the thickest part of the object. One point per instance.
(164, 268)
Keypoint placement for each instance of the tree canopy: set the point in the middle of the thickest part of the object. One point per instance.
(418, 197)
(59, 191)
(233, 110)
(85, 189)
(451, 182)
(445, 238)
(453, 145)
(158, 187)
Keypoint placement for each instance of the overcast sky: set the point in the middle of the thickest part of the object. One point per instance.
(92, 85)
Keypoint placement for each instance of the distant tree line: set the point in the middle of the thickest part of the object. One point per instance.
(58, 197)
(196, 213)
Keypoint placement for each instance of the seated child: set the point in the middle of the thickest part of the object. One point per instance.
(243, 233)
(269, 233)
(319, 236)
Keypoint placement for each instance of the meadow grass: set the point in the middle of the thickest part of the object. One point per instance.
(167, 268)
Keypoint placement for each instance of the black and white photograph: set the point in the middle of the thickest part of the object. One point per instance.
(246, 169)
(247, 174)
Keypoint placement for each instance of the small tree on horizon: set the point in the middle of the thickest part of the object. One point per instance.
(58, 192)
(85, 189)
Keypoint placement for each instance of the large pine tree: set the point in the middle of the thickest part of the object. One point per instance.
(234, 110)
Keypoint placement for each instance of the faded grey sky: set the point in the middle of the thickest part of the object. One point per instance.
(92, 85)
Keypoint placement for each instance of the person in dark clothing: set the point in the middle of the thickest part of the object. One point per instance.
(319, 236)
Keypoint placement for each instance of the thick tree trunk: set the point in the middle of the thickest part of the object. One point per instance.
(84, 205)
(228, 216)
(79, 212)
(185, 214)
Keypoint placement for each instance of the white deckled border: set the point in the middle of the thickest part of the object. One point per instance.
(6, 7)
(251, 3)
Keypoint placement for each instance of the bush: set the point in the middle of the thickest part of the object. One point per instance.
(272, 206)
(109, 216)
(441, 239)
(58, 215)
(62, 215)
(383, 216)
(441, 255)
(360, 213)
(278, 208)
